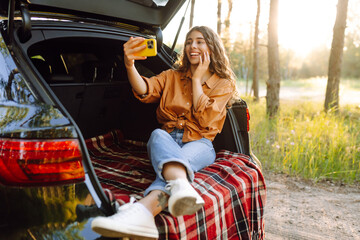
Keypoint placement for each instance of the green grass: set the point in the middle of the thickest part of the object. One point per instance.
(304, 141)
(309, 83)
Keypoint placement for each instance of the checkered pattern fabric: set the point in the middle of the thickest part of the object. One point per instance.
(233, 189)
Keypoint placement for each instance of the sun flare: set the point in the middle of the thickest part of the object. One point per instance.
(305, 25)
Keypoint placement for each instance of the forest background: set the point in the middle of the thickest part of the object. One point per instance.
(301, 139)
(305, 33)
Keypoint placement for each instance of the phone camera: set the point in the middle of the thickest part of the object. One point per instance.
(150, 44)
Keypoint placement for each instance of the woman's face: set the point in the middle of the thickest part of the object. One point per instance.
(195, 46)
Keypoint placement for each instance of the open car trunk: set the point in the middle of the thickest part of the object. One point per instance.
(88, 76)
(86, 72)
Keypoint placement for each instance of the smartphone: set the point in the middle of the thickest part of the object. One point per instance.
(150, 49)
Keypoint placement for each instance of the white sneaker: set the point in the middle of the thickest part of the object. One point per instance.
(184, 200)
(131, 221)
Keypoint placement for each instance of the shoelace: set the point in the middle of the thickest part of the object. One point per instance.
(128, 205)
(169, 185)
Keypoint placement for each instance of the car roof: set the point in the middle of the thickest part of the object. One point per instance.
(141, 12)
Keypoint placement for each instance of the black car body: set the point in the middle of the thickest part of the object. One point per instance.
(62, 80)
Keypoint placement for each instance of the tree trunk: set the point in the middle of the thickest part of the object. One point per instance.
(219, 18)
(192, 14)
(334, 71)
(226, 35)
(255, 84)
(273, 84)
(249, 56)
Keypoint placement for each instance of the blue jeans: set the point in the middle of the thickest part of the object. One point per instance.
(164, 147)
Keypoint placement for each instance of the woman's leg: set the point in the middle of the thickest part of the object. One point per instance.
(174, 170)
(184, 199)
(167, 159)
(155, 201)
(199, 154)
(174, 160)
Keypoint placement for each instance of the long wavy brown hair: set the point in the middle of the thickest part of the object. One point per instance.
(219, 61)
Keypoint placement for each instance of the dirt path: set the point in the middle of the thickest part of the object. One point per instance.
(298, 209)
(315, 93)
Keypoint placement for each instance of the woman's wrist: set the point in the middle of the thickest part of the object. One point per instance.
(196, 80)
(129, 66)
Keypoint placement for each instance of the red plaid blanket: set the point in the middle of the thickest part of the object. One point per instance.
(233, 189)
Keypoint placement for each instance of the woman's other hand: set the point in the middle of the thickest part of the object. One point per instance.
(202, 67)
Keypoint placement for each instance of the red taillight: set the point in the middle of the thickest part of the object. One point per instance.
(248, 119)
(40, 162)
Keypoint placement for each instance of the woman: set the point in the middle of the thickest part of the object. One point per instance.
(192, 110)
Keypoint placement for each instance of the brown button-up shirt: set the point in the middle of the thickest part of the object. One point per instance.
(173, 90)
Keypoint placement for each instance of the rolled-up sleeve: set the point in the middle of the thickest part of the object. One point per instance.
(155, 87)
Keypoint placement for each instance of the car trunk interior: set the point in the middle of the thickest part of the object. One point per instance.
(89, 78)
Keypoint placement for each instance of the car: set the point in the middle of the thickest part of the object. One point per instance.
(63, 90)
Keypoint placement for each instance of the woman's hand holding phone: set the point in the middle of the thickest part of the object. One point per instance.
(138, 48)
(130, 48)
